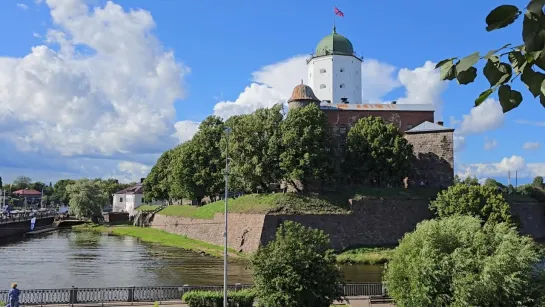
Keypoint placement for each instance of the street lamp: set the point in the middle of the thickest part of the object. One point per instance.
(227, 131)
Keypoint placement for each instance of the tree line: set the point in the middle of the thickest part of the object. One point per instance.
(265, 148)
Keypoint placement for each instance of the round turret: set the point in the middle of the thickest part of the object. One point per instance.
(301, 96)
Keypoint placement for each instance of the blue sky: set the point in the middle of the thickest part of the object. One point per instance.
(180, 61)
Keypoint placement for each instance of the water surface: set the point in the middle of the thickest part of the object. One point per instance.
(86, 259)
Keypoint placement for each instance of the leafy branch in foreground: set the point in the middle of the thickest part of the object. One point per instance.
(504, 65)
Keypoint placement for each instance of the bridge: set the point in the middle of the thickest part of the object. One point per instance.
(19, 224)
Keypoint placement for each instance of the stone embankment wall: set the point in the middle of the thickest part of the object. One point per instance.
(531, 215)
(372, 222)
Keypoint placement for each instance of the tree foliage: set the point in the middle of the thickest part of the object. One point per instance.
(255, 148)
(60, 195)
(538, 182)
(157, 183)
(308, 148)
(375, 151)
(503, 65)
(298, 268)
(456, 262)
(484, 202)
(21, 182)
(86, 198)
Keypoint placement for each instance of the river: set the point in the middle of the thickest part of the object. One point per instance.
(87, 259)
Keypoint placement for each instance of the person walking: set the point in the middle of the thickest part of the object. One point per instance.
(14, 295)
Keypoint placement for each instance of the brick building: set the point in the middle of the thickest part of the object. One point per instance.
(335, 74)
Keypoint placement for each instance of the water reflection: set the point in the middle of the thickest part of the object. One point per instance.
(65, 258)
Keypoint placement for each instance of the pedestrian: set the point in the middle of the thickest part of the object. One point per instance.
(14, 295)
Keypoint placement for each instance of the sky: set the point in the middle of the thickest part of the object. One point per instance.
(94, 88)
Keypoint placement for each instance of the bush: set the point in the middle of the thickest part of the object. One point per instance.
(457, 262)
(298, 268)
(483, 202)
(243, 298)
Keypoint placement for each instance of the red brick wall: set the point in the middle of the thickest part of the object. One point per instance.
(401, 119)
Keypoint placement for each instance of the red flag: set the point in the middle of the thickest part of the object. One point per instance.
(338, 12)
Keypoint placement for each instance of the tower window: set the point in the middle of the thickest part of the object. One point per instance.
(342, 85)
(342, 129)
(322, 85)
(322, 71)
(342, 69)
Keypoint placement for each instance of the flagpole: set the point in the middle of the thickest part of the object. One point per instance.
(334, 15)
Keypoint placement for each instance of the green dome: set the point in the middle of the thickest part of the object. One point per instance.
(334, 44)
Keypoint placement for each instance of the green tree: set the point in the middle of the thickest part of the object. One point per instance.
(484, 202)
(197, 167)
(21, 182)
(538, 182)
(456, 262)
(60, 196)
(503, 65)
(377, 152)
(157, 183)
(86, 198)
(1, 184)
(308, 152)
(489, 182)
(255, 148)
(298, 268)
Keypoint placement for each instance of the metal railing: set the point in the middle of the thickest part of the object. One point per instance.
(21, 217)
(149, 294)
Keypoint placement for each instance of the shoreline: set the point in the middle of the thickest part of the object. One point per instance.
(370, 256)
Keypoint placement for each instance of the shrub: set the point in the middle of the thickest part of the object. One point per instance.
(298, 268)
(457, 262)
(243, 298)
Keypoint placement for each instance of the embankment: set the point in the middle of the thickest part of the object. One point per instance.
(19, 228)
(371, 222)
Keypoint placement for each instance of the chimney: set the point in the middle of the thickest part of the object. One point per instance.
(142, 180)
(440, 123)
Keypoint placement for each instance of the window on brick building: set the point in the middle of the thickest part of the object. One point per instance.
(342, 129)
(409, 127)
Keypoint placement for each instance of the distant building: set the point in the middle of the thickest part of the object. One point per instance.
(128, 199)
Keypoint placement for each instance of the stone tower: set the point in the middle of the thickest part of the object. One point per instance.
(334, 70)
(301, 96)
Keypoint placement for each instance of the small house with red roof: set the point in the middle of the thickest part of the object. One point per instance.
(28, 193)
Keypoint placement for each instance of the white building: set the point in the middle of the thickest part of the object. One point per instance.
(334, 71)
(127, 200)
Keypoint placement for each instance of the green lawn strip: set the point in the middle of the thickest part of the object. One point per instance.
(147, 207)
(161, 237)
(261, 204)
(365, 255)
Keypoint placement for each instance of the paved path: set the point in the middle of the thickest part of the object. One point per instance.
(354, 302)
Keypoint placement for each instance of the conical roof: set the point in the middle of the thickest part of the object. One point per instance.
(334, 44)
(303, 92)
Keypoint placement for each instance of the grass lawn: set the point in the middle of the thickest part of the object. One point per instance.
(291, 203)
(164, 238)
(147, 207)
(365, 255)
(288, 203)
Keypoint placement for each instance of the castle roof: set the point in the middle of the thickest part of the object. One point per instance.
(334, 44)
(303, 92)
(378, 107)
(429, 127)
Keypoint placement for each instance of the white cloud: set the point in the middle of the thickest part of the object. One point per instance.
(109, 89)
(531, 145)
(487, 116)
(185, 130)
(22, 6)
(422, 86)
(459, 142)
(500, 169)
(382, 80)
(96, 99)
(490, 144)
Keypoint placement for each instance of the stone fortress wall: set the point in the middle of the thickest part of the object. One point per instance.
(373, 222)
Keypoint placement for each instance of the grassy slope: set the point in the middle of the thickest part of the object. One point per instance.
(365, 255)
(164, 238)
(147, 207)
(291, 203)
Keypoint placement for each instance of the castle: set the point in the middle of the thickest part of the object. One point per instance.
(335, 79)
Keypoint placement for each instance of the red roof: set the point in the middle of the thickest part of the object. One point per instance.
(136, 189)
(28, 192)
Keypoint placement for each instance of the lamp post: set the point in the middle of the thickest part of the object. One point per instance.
(227, 131)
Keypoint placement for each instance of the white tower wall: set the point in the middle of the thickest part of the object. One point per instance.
(334, 77)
